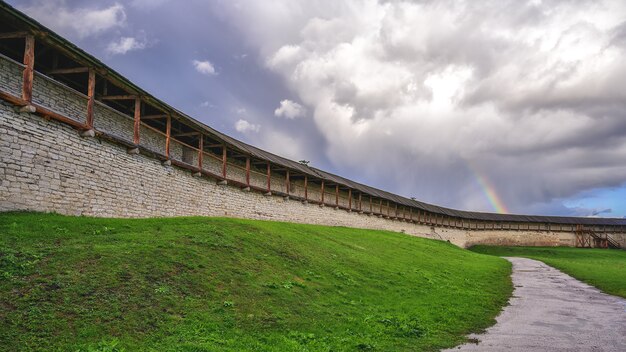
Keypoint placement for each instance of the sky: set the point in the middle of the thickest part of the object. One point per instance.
(502, 106)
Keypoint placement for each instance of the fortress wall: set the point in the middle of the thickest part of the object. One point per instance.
(46, 166)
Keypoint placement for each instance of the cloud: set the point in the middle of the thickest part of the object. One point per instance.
(205, 67)
(76, 22)
(289, 109)
(148, 4)
(244, 126)
(126, 44)
(207, 104)
(424, 98)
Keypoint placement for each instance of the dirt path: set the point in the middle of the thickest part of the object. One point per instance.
(551, 311)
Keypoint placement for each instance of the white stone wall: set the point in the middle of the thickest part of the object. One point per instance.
(11, 76)
(59, 98)
(88, 176)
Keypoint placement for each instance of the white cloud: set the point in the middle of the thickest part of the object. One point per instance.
(427, 97)
(76, 22)
(289, 109)
(126, 44)
(207, 104)
(244, 126)
(205, 67)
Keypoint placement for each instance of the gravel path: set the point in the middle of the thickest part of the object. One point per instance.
(551, 311)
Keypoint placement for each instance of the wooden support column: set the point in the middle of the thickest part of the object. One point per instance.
(269, 179)
(224, 161)
(200, 151)
(360, 201)
(388, 209)
(381, 206)
(350, 199)
(322, 192)
(371, 209)
(306, 188)
(411, 213)
(168, 135)
(137, 124)
(248, 171)
(91, 87)
(336, 195)
(29, 69)
(287, 182)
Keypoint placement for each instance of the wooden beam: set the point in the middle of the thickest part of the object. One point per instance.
(248, 171)
(187, 134)
(61, 71)
(371, 204)
(137, 124)
(336, 195)
(29, 69)
(322, 191)
(13, 35)
(215, 145)
(168, 135)
(154, 117)
(269, 177)
(118, 97)
(287, 182)
(350, 198)
(200, 151)
(360, 201)
(91, 88)
(306, 190)
(224, 160)
(381, 206)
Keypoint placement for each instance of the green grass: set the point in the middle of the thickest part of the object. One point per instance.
(216, 284)
(602, 268)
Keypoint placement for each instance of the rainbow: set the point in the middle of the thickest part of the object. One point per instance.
(488, 189)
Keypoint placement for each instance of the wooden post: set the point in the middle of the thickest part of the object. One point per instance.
(388, 209)
(168, 135)
(200, 151)
(224, 160)
(350, 199)
(91, 87)
(269, 178)
(360, 201)
(306, 188)
(322, 191)
(137, 124)
(336, 195)
(411, 213)
(248, 171)
(287, 182)
(29, 69)
(381, 206)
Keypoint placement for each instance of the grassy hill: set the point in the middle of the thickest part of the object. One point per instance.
(602, 268)
(216, 284)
